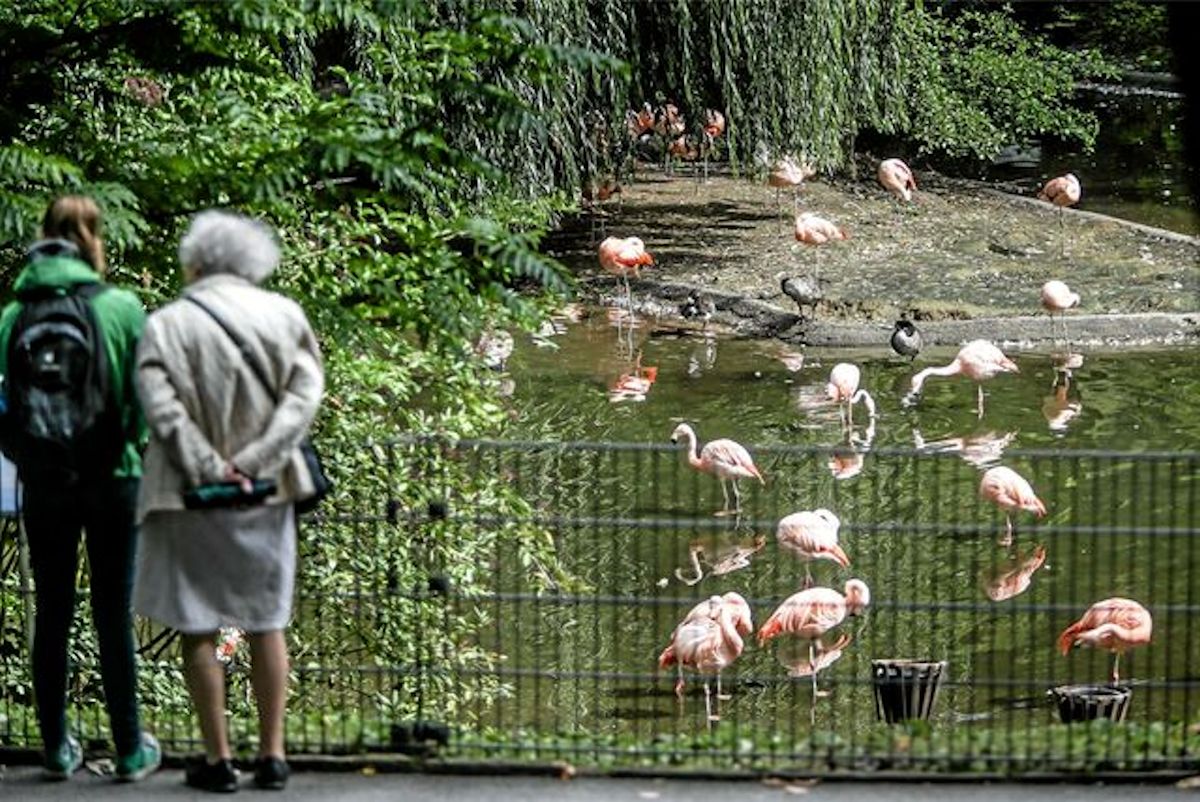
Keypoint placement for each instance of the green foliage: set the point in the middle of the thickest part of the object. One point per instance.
(979, 82)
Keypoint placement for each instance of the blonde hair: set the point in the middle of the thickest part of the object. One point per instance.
(77, 218)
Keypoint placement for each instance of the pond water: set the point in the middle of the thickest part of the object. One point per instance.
(1138, 169)
(636, 530)
(742, 389)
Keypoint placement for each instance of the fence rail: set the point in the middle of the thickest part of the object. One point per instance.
(491, 600)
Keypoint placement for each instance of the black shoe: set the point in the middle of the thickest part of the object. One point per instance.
(271, 773)
(219, 777)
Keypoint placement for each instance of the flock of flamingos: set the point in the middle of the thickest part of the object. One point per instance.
(710, 636)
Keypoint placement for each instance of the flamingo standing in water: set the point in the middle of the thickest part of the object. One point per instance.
(1009, 491)
(1063, 191)
(623, 257)
(813, 535)
(708, 640)
(843, 389)
(714, 127)
(897, 179)
(724, 459)
(1115, 625)
(978, 360)
(811, 613)
(812, 229)
(1057, 297)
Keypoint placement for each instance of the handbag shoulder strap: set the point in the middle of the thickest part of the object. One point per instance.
(244, 349)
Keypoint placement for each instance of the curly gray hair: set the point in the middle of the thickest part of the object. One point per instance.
(223, 242)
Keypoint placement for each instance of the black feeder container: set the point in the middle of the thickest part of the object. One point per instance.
(906, 690)
(1087, 702)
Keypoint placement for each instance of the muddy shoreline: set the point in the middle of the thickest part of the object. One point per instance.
(965, 261)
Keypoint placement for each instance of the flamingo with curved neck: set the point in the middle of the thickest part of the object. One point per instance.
(727, 460)
(709, 639)
(978, 360)
(843, 388)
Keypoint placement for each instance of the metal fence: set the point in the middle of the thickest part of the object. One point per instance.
(501, 601)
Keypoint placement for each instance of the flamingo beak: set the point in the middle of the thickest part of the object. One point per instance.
(674, 439)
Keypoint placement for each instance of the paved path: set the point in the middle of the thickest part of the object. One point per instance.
(23, 783)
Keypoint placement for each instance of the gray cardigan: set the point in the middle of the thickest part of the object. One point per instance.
(204, 405)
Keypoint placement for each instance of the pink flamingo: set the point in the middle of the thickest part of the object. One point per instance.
(1014, 578)
(1063, 191)
(1057, 297)
(812, 229)
(978, 360)
(668, 124)
(714, 126)
(843, 389)
(639, 125)
(1115, 625)
(897, 179)
(811, 613)
(787, 172)
(623, 257)
(1009, 491)
(813, 535)
(708, 640)
(724, 459)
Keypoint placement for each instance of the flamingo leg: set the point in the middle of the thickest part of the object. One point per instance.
(737, 496)
(979, 406)
(850, 413)
(808, 580)
(720, 695)
(708, 710)
(679, 685)
(1062, 234)
(812, 663)
(1116, 663)
(725, 493)
(1007, 540)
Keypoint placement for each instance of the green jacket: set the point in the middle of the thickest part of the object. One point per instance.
(120, 317)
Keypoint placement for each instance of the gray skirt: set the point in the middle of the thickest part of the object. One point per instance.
(199, 570)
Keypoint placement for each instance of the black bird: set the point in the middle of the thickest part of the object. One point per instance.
(906, 340)
(698, 305)
(804, 291)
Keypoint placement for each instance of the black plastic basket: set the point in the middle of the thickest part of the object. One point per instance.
(906, 689)
(1087, 702)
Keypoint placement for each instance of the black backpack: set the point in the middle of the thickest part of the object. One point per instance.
(62, 425)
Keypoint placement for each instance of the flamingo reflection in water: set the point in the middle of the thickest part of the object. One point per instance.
(708, 640)
(1059, 409)
(1013, 577)
(981, 449)
(719, 559)
(801, 662)
(634, 384)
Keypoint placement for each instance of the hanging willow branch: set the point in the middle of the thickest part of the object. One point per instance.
(801, 77)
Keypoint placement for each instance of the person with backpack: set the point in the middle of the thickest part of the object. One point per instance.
(72, 426)
(230, 379)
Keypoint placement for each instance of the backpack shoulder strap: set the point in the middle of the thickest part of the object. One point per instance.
(244, 349)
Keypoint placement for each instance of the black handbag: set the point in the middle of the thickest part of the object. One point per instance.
(322, 484)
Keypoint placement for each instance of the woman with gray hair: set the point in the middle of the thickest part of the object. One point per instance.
(229, 376)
